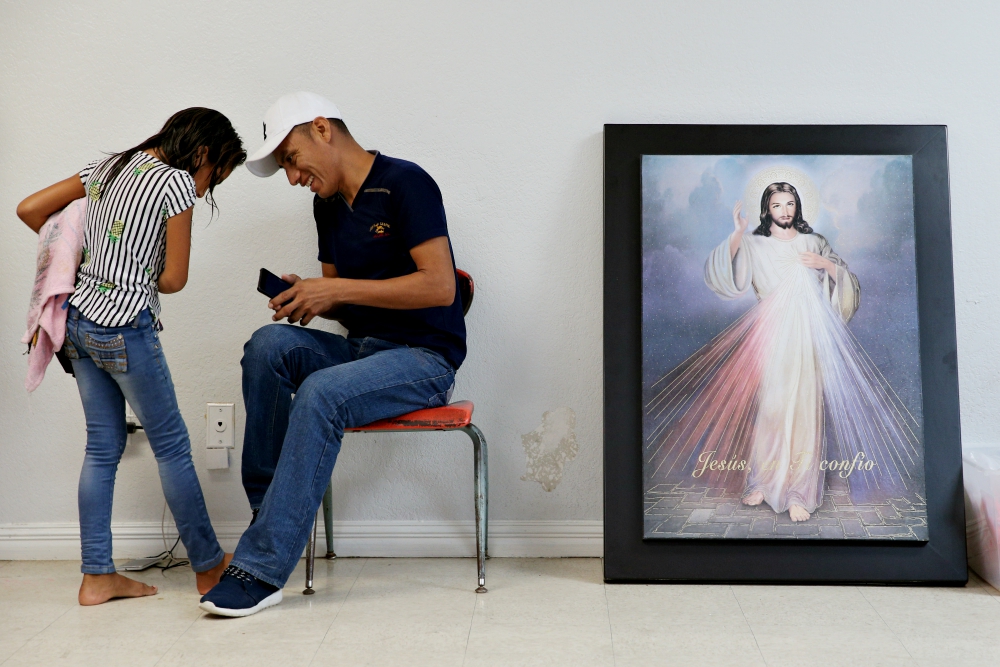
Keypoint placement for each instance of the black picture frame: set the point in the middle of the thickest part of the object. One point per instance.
(630, 558)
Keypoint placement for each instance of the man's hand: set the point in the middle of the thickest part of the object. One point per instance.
(305, 299)
(814, 261)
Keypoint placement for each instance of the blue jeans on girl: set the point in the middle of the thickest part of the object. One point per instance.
(112, 365)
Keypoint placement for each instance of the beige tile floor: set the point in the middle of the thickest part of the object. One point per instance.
(538, 612)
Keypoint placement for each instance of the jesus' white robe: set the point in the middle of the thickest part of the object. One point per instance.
(799, 305)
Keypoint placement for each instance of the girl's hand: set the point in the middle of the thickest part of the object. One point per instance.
(739, 221)
(814, 261)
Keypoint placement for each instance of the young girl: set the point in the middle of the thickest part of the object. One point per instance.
(137, 245)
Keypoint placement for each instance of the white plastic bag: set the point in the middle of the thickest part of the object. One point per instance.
(981, 469)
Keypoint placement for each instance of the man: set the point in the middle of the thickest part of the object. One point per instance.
(389, 277)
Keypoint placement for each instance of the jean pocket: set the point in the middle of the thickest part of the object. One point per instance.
(107, 351)
(69, 349)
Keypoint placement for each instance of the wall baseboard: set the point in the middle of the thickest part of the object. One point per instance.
(518, 539)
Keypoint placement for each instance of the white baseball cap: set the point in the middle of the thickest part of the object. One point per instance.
(290, 110)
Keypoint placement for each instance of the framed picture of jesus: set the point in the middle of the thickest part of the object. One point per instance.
(781, 391)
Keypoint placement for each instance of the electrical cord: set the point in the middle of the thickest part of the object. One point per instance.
(168, 554)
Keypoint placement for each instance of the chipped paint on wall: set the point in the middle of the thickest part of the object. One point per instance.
(550, 447)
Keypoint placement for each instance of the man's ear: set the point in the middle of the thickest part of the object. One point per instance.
(323, 129)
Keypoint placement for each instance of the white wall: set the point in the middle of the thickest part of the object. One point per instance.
(504, 105)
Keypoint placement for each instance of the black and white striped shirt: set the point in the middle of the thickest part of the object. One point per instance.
(125, 241)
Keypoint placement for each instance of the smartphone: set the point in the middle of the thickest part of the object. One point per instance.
(271, 285)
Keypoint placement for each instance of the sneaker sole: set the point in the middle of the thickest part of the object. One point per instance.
(269, 601)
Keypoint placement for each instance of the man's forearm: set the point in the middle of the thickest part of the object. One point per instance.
(419, 289)
(431, 285)
(404, 293)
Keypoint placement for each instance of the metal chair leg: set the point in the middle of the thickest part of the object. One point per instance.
(311, 558)
(481, 475)
(328, 521)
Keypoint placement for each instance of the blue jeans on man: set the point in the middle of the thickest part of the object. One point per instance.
(291, 443)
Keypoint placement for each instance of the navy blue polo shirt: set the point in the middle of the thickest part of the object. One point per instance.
(398, 207)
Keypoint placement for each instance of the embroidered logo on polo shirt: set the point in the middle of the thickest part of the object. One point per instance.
(380, 229)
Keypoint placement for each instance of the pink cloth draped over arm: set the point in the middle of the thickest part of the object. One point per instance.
(60, 244)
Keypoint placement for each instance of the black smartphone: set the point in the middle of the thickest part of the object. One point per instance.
(271, 285)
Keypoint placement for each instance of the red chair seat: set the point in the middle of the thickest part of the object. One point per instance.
(447, 418)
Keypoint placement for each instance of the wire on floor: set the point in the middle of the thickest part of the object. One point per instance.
(168, 554)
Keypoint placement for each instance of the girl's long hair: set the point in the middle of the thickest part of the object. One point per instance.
(178, 143)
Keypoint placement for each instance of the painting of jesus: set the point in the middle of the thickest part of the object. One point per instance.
(781, 398)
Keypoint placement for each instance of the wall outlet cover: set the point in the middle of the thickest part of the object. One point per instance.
(221, 426)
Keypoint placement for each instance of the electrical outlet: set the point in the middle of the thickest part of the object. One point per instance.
(221, 433)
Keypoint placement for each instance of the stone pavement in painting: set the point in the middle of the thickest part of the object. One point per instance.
(686, 511)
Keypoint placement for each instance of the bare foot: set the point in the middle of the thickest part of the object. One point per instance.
(209, 578)
(99, 588)
(755, 498)
(798, 513)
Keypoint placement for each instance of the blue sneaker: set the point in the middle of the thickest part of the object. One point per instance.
(239, 593)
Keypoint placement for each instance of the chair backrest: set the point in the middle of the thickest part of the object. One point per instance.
(466, 289)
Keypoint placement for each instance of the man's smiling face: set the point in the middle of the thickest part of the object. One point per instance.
(306, 161)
